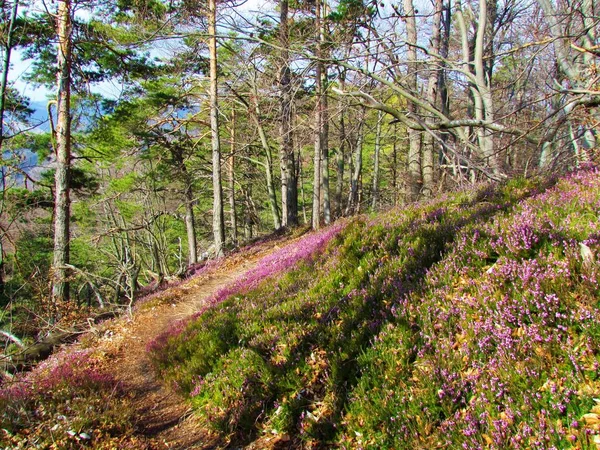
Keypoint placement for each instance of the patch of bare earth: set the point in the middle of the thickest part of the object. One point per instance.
(162, 416)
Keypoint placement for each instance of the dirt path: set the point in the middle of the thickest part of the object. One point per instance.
(162, 416)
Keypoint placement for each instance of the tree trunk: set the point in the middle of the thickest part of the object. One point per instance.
(414, 152)
(325, 149)
(442, 73)
(218, 217)
(318, 172)
(354, 200)
(375, 187)
(432, 89)
(340, 159)
(255, 113)
(289, 181)
(60, 285)
(3, 88)
(302, 192)
(190, 223)
(324, 131)
(6, 67)
(484, 109)
(249, 212)
(231, 179)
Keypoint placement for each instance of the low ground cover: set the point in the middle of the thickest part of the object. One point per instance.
(470, 321)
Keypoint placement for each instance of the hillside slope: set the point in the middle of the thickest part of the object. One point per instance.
(101, 392)
(470, 321)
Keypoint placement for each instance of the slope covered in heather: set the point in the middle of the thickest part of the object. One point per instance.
(471, 321)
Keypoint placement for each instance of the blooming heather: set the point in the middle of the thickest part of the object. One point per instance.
(468, 321)
(276, 262)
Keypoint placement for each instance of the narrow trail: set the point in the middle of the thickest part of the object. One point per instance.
(163, 418)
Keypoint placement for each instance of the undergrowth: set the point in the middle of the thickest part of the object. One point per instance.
(68, 401)
(470, 321)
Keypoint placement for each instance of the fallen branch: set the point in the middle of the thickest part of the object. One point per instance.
(41, 350)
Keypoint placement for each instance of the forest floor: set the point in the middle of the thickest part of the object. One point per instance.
(162, 417)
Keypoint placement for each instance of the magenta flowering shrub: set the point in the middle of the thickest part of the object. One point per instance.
(506, 337)
(468, 321)
(275, 263)
(279, 261)
(76, 369)
(66, 401)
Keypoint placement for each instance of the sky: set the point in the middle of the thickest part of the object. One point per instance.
(40, 95)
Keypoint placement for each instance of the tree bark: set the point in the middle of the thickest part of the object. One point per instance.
(60, 285)
(484, 107)
(324, 107)
(443, 78)
(231, 179)
(375, 186)
(432, 89)
(414, 152)
(354, 197)
(340, 160)
(325, 149)
(190, 223)
(218, 216)
(255, 113)
(318, 155)
(289, 181)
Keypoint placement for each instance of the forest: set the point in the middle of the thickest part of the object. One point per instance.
(175, 135)
(176, 131)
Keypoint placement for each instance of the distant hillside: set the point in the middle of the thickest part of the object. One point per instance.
(469, 321)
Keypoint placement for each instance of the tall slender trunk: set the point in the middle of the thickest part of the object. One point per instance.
(484, 109)
(324, 107)
(375, 187)
(231, 180)
(442, 73)
(218, 217)
(289, 181)
(190, 221)
(354, 197)
(6, 67)
(255, 113)
(340, 159)
(60, 285)
(318, 156)
(432, 91)
(271, 189)
(3, 87)
(248, 211)
(302, 192)
(325, 150)
(414, 152)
